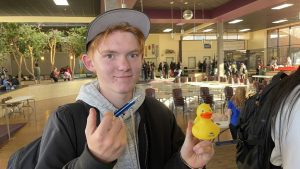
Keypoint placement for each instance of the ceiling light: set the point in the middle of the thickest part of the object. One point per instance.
(244, 30)
(167, 30)
(207, 30)
(61, 2)
(235, 21)
(282, 6)
(180, 24)
(280, 21)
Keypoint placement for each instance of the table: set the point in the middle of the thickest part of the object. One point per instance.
(224, 126)
(25, 100)
(262, 76)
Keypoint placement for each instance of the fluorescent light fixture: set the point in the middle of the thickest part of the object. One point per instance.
(180, 24)
(207, 30)
(244, 30)
(280, 21)
(61, 2)
(235, 21)
(167, 30)
(282, 6)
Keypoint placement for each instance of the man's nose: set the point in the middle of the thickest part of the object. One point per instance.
(123, 63)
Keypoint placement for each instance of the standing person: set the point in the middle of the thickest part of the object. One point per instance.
(37, 73)
(147, 136)
(160, 70)
(204, 65)
(166, 70)
(243, 71)
(235, 105)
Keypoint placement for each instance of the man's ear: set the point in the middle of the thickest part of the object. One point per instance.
(88, 63)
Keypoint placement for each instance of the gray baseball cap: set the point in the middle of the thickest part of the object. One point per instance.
(113, 17)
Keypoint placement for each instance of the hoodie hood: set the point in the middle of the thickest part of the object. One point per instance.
(90, 94)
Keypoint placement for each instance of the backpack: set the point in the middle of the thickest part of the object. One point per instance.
(27, 156)
(252, 126)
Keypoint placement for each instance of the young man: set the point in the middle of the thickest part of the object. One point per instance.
(147, 136)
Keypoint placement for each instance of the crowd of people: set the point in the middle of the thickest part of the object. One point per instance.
(235, 69)
(65, 73)
(7, 82)
(173, 70)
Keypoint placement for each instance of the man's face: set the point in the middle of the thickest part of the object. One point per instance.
(117, 62)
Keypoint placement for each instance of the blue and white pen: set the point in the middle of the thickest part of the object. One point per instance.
(126, 106)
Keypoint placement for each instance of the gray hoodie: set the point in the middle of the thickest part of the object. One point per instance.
(90, 94)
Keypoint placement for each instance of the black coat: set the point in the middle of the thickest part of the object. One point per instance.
(64, 143)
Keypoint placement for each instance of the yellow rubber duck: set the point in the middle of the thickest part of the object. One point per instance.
(204, 128)
(202, 108)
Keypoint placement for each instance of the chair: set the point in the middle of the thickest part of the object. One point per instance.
(223, 79)
(204, 91)
(150, 92)
(178, 100)
(193, 79)
(236, 80)
(177, 80)
(184, 79)
(228, 91)
(246, 82)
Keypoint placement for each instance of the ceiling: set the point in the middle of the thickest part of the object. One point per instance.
(257, 14)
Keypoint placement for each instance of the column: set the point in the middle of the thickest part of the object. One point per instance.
(220, 49)
(107, 5)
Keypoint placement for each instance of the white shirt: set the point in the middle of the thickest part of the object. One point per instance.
(286, 152)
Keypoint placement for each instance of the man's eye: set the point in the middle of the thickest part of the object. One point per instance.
(134, 55)
(109, 56)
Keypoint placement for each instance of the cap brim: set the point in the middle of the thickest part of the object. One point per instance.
(102, 22)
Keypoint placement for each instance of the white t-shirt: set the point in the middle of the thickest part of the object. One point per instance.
(286, 152)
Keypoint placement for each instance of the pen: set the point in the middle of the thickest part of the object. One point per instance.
(126, 106)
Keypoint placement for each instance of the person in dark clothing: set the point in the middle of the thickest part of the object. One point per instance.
(146, 136)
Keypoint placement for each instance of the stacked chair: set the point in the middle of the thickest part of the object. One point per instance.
(178, 100)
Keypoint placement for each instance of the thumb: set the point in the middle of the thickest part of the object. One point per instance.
(91, 122)
(188, 134)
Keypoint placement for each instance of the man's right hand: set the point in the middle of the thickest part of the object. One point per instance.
(108, 140)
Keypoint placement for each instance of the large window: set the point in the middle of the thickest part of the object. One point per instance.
(283, 43)
(295, 35)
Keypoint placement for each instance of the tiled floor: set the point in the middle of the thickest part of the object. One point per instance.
(224, 157)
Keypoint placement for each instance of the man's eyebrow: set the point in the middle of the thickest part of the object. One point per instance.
(107, 51)
(133, 51)
(113, 52)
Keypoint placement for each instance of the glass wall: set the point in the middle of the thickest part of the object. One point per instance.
(283, 43)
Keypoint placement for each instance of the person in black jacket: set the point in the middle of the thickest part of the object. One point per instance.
(146, 136)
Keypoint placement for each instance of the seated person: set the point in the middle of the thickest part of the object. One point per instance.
(273, 63)
(15, 81)
(7, 84)
(67, 76)
(54, 75)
